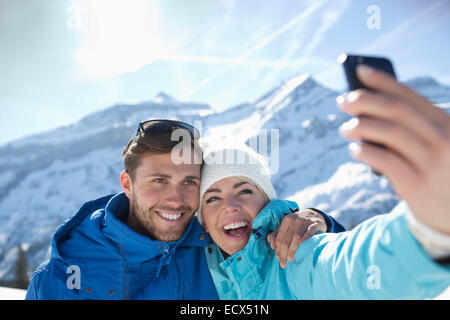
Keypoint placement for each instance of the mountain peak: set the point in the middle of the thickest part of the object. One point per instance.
(430, 89)
(303, 83)
(301, 80)
(424, 81)
(293, 88)
(162, 97)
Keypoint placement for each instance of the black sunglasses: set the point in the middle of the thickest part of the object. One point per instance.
(161, 126)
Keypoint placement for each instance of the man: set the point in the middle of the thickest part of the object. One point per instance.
(144, 243)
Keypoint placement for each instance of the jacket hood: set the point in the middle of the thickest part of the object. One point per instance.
(63, 232)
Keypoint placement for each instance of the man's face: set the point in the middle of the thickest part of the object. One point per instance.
(164, 196)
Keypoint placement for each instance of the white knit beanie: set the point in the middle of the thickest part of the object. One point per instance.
(235, 161)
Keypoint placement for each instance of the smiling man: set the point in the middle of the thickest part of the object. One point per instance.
(162, 196)
(142, 243)
(138, 244)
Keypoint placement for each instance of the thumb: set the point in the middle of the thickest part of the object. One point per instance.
(312, 230)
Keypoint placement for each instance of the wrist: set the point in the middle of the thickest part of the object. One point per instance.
(322, 215)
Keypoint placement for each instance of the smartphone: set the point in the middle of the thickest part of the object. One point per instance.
(350, 62)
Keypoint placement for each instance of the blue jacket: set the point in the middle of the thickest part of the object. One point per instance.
(378, 259)
(97, 256)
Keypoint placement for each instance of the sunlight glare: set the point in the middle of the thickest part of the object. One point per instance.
(118, 36)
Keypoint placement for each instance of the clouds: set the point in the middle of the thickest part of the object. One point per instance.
(219, 52)
(118, 37)
(304, 47)
(389, 38)
(241, 58)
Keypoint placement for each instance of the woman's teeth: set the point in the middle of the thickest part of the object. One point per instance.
(236, 229)
(236, 225)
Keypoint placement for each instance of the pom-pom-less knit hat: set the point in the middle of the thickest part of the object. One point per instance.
(235, 161)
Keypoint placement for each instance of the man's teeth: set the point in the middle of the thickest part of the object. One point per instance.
(170, 216)
(235, 225)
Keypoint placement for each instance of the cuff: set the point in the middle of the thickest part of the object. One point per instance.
(435, 243)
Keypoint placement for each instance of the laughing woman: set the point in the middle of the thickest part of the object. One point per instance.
(373, 261)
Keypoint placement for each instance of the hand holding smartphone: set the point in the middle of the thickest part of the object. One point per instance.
(349, 64)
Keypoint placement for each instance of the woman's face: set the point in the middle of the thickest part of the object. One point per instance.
(228, 209)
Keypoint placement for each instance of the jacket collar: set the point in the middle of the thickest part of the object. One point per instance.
(247, 265)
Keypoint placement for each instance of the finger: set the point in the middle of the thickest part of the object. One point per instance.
(286, 243)
(282, 231)
(271, 239)
(398, 170)
(295, 243)
(366, 103)
(382, 81)
(312, 230)
(400, 139)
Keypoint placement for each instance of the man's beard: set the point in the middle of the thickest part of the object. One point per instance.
(146, 217)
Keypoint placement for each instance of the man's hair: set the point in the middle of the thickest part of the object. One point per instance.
(144, 144)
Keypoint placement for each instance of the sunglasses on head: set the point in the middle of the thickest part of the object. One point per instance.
(161, 126)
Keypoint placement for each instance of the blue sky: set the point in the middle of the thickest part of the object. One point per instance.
(64, 59)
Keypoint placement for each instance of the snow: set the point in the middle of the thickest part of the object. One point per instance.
(430, 88)
(12, 294)
(349, 194)
(125, 115)
(19, 294)
(444, 295)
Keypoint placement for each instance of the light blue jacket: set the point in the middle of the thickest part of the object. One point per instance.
(378, 259)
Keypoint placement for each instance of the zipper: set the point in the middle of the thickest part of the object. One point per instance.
(163, 258)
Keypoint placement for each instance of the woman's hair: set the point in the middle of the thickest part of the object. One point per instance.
(144, 144)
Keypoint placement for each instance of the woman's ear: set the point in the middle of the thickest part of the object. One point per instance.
(125, 182)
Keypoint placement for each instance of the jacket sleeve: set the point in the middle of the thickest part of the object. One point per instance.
(378, 259)
(32, 291)
(280, 208)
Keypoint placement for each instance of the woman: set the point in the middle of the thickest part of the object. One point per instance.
(371, 261)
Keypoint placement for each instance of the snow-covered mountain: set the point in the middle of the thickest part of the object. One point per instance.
(45, 178)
